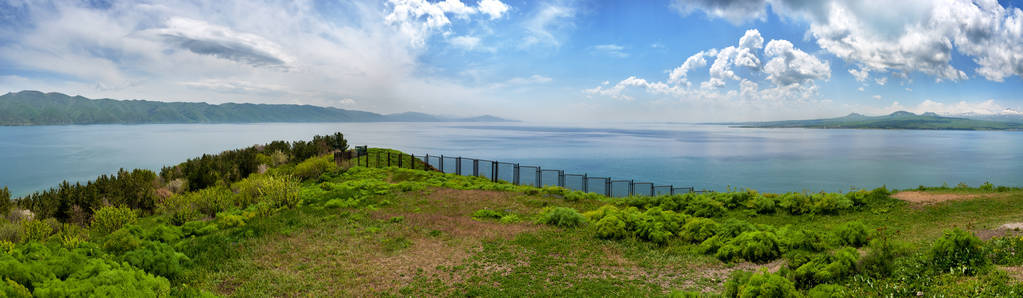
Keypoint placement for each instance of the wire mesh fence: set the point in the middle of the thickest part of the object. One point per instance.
(507, 172)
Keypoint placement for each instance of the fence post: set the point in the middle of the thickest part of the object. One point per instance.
(561, 178)
(539, 179)
(652, 191)
(692, 189)
(493, 171)
(632, 187)
(586, 183)
(475, 167)
(441, 163)
(515, 174)
(458, 165)
(607, 187)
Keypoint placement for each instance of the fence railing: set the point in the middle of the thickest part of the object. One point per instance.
(509, 172)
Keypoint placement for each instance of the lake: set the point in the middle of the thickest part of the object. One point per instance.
(704, 156)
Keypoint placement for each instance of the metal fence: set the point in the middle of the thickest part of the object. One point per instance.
(509, 172)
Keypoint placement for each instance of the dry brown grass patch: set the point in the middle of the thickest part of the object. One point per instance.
(927, 198)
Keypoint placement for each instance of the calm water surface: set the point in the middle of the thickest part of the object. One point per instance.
(707, 157)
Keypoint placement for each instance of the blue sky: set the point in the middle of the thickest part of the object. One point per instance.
(532, 60)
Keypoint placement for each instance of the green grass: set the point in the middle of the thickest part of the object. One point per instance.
(385, 231)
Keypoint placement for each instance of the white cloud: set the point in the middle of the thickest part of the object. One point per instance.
(548, 20)
(205, 39)
(494, 8)
(735, 11)
(904, 36)
(465, 41)
(789, 65)
(179, 50)
(611, 50)
(792, 72)
(680, 73)
(860, 74)
(877, 97)
(456, 7)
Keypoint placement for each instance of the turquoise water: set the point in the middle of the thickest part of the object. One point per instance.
(704, 156)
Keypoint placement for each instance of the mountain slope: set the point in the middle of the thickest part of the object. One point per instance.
(38, 108)
(897, 120)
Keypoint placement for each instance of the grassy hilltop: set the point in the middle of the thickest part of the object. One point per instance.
(283, 220)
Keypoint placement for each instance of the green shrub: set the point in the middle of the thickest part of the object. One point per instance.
(826, 268)
(958, 252)
(610, 227)
(829, 291)
(762, 204)
(802, 239)
(830, 203)
(10, 231)
(658, 225)
(510, 218)
(342, 203)
(698, 229)
(164, 233)
(35, 230)
(197, 228)
(555, 191)
(884, 251)
(121, 241)
(179, 208)
(853, 233)
(314, 167)
(762, 284)
(754, 246)
(10, 288)
(561, 217)
(575, 196)
(110, 218)
(280, 191)
(70, 236)
(704, 206)
(228, 220)
(104, 278)
(487, 214)
(795, 203)
(158, 258)
(1006, 251)
(211, 200)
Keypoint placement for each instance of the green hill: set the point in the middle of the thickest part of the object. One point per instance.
(264, 221)
(897, 120)
(38, 108)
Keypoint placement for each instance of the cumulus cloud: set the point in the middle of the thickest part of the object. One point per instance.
(905, 36)
(789, 65)
(494, 8)
(791, 74)
(419, 19)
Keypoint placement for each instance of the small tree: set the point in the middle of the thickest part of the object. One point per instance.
(5, 201)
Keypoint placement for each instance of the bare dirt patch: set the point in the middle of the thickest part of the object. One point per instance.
(1008, 229)
(927, 198)
(1015, 272)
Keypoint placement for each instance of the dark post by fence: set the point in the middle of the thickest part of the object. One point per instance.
(493, 171)
(586, 183)
(515, 174)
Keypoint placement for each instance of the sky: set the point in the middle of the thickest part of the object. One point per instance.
(553, 61)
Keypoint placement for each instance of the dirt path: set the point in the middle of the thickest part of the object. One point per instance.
(927, 198)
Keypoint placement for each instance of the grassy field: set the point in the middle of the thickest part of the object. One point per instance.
(358, 231)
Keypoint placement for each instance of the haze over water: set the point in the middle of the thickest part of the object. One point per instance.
(703, 156)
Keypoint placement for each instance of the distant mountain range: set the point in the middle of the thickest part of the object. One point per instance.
(38, 108)
(898, 120)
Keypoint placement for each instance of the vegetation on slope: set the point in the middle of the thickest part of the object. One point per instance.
(357, 231)
(37, 108)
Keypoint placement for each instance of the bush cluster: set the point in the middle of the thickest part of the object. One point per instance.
(959, 252)
(719, 203)
(110, 218)
(561, 217)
